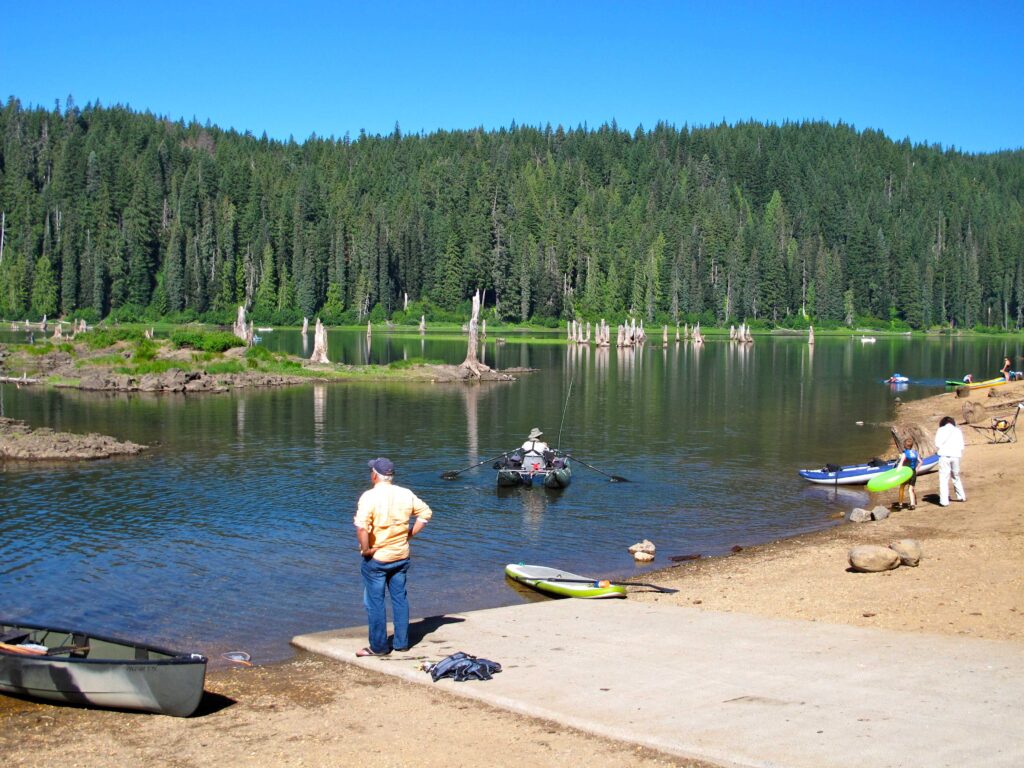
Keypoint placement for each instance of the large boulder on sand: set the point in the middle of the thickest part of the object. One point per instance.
(871, 558)
(858, 515)
(909, 551)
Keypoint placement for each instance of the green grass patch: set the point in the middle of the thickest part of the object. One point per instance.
(206, 357)
(62, 381)
(399, 365)
(260, 353)
(101, 338)
(286, 366)
(153, 366)
(145, 350)
(205, 341)
(36, 350)
(101, 360)
(225, 366)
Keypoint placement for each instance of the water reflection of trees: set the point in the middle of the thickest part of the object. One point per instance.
(319, 414)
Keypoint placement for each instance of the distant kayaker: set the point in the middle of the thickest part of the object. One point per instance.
(382, 528)
(910, 458)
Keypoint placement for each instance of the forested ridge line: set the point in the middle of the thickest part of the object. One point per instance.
(108, 211)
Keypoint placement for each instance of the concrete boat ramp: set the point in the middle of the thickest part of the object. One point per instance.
(732, 689)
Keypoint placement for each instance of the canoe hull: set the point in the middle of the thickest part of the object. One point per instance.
(111, 674)
(545, 580)
(860, 474)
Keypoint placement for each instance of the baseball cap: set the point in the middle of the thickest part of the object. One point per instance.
(381, 466)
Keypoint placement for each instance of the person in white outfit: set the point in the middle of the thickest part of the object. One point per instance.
(949, 445)
(533, 445)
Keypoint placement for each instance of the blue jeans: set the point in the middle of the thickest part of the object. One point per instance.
(377, 577)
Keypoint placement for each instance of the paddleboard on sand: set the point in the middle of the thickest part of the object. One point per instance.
(977, 384)
(553, 581)
(890, 479)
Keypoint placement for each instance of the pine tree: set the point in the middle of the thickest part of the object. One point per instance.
(450, 288)
(174, 270)
(772, 277)
(265, 301)
(333, 307)
(44, 289)
(69, 277)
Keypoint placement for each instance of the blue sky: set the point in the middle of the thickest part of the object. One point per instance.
(944, 73)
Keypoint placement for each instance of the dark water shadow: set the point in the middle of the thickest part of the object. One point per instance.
(212, 703)
(418, 630)
(209, 704)
(529, 594)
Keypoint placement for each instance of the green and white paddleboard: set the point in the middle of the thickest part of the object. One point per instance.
(553, 581)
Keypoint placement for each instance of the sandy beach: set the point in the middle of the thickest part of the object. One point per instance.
(313, 711)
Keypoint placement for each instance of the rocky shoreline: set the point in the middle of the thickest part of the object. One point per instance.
(19, 442)
(112, 369)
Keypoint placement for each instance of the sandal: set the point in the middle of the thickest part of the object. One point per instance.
(912, 506)
(368, 651)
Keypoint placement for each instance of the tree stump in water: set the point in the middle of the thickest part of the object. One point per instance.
(472, 364)
(239, 328)
(319, 344)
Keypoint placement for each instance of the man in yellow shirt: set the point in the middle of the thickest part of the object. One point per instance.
(382, 528)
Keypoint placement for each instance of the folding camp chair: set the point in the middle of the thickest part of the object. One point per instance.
(1002, 429)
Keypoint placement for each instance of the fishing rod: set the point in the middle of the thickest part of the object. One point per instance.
(565, 407)
(613, 478)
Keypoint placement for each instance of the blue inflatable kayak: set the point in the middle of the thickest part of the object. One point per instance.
(859, 474)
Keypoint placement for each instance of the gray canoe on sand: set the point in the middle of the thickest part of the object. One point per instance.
(80, 668)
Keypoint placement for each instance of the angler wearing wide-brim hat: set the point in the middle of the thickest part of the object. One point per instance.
(533, 445)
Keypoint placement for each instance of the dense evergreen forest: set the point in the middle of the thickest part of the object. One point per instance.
(111, 212)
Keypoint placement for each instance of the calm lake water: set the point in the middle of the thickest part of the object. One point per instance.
(234, 531)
